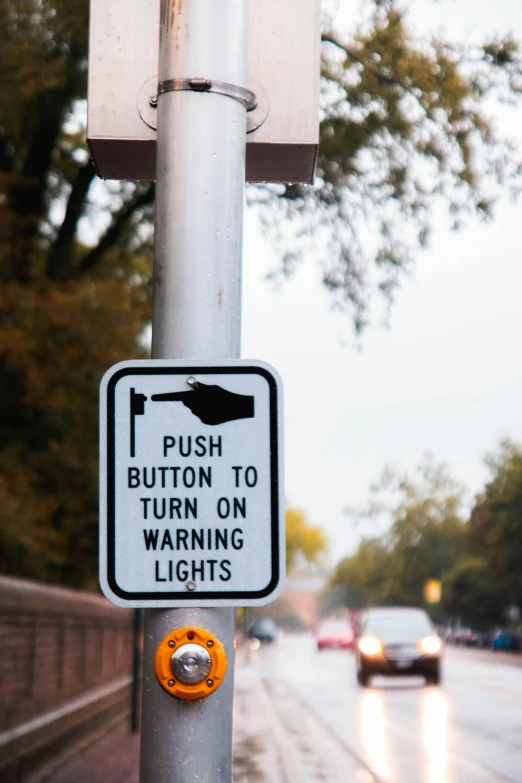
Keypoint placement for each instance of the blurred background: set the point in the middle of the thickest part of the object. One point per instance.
(387, 296)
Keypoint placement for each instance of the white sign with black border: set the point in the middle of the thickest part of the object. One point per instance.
(191, 483)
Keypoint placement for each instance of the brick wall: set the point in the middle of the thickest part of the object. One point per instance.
(56, 645)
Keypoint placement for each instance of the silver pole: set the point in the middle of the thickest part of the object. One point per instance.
(200, 176)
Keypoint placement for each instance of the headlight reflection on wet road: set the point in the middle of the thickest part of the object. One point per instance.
(434, 735)
(378, 733)
(401, 730)
(373, 733)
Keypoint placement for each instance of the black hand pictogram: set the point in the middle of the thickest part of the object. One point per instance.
(137, 408)
(212, 404)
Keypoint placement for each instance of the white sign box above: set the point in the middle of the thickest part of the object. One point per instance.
(283, 69)
(191, 487)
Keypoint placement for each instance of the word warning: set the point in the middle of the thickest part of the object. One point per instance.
(191, 492)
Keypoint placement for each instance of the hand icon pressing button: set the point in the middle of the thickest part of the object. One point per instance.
(212, 404)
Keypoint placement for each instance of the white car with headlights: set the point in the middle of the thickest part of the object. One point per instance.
(398, 641)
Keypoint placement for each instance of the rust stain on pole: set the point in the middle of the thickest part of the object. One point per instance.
(175, 10)
(169, 10)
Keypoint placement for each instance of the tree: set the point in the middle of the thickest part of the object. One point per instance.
(404, 126)
(495, 528)
(403, 123)
(479, 560)
(55, 343)
(472, 596)
(303, 541)
(363, 576)
(64, 316)
(47, 191)
(425, 537)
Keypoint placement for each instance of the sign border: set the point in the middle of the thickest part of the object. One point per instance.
(108, 462)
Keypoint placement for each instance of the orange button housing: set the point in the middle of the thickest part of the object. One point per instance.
(190, 636)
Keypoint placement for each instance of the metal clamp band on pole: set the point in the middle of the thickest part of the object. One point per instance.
(241, 94)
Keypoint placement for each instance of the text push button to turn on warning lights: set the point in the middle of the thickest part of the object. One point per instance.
(191, 483)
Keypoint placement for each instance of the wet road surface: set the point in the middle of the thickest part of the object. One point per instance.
(469, 730)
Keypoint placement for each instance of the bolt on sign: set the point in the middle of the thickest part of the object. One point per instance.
(191, 483)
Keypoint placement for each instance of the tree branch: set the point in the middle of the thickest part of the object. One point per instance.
(329, 38)
(59, 260)
(26, 192)
(114, 232)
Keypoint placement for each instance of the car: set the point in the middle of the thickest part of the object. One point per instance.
(334, 633)
(478, 639)
(462, 636)
(505, 640)
(264, 630)
(398, 641)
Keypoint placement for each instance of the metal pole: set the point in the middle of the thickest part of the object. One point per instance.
(196, 314)
(137, 627)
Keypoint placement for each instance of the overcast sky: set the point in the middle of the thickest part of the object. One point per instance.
(445, 377)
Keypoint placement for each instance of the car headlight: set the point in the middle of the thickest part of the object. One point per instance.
(430, 645)
(369, 645)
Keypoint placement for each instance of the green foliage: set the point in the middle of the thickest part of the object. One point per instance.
(479, 560)
(472, 595)
(46, 177)
(56, 341)
(426, 537)
(406, 123)
(65, 316)
(403, 124)
(303, 541)
(365, 573)
(495, 527)
(427, 534)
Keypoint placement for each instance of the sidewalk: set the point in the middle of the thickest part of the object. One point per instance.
(278, 738)
(113, 759)
(488, 656)
(258, 757)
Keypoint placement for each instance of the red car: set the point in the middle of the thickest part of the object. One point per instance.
(335, 634)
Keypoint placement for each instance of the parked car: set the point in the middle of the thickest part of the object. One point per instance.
(478, 639)
(505, 640)
(264, 629)
(465, 637)
(398, 641)
(334, 633)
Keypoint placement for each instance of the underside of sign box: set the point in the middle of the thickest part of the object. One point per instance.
(283, 59)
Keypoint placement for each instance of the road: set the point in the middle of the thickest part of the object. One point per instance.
(469, 730)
